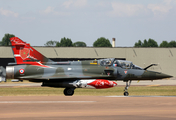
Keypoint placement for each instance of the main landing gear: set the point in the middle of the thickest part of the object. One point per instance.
(69, 91)
(126, 88)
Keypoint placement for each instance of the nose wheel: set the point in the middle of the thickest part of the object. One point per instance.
(126, 93)
(126, 88)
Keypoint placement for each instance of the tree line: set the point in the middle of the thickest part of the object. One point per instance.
(6, 40)
(67, 42)
(64, 42)
(100, 42)
(152, 43)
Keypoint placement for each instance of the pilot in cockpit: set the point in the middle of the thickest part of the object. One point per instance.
(116, 64)
(125, 64)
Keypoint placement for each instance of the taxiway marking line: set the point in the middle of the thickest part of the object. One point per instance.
(139, 96)
(47, 101)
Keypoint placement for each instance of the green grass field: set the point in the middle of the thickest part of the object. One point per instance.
(47, 91)
(9, 81)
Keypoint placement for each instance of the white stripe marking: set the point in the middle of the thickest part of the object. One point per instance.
(17, 55)
(47, 101)
(116, 96)
(139, 96)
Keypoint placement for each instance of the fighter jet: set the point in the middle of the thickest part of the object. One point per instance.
(33, 66)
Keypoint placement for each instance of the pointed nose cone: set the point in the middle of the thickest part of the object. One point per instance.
(158, 75)
(151, 75)
(162, 75)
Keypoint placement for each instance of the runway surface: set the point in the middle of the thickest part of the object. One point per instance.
(87, 107)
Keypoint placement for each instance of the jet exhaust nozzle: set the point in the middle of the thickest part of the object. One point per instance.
(10, 72)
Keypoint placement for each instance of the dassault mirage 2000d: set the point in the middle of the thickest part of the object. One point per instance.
(35, 67)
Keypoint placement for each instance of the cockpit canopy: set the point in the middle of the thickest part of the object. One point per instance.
(119, 63)
(106, 62)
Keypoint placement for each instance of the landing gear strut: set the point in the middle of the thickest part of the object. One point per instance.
(69, 91)
(126, 88)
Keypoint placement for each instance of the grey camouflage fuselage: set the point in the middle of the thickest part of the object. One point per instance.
(92, 69)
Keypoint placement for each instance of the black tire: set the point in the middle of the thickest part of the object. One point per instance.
(68, 91)
(126, 93)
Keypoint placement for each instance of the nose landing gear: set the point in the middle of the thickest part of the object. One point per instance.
(126, 88)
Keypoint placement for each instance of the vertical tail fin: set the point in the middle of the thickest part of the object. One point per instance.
(25, 54)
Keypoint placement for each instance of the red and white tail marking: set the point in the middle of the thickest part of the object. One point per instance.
(25, 54)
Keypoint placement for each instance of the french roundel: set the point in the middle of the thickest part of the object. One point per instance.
(21, 71)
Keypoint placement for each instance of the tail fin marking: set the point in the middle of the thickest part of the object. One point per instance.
(25, 54)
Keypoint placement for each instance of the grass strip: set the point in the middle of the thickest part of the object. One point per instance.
(48, 91)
